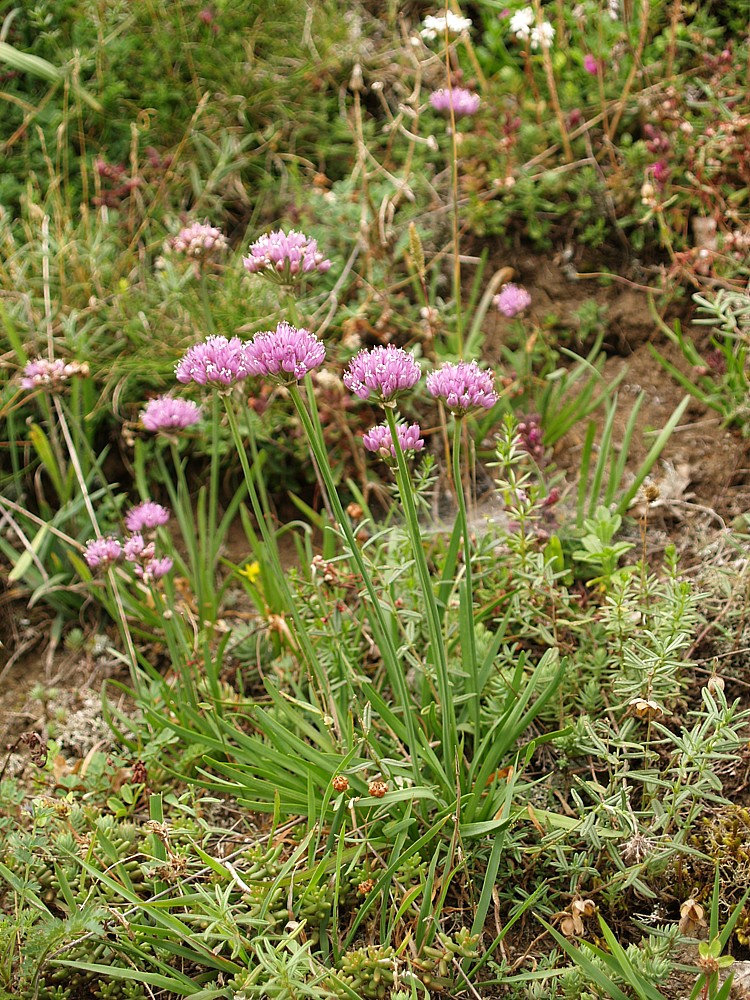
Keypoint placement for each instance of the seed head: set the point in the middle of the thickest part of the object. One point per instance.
(377, 789)
(340, 783)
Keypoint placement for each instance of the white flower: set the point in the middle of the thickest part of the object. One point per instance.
(521, 22)
(434, 25)
(542, 35)
(614, 9)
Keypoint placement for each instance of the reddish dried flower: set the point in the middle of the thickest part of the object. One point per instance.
(377, 789)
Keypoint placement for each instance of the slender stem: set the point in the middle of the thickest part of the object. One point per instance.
(552, 88)
(202, 574)
(437, 644)
(125, 629)
(383, 634)
(209, 546)
(269, 538)
(454, 205)
(206, 302)
(469, 650)
(73, 454)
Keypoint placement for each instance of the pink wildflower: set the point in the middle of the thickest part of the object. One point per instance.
(147, 515)
(217, 360)
(102, 552)
(660, 172)
(463, 387)
(154, 569)
(167, 413)
(591, 64)
(379, 439)
(285, 355)
(45, 374)
(511, 300)
(285, 257)
(461, 100)
(137, 549)
(198, 241)
(383, 372)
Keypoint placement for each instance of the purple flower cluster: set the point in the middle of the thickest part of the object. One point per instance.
(591, 64)
(463, 387)
(285, 355)
(137, 548)
(285, 257)
(167, 413)
(462, 101)
(104, 552)
(379, 439)
(146, 516)
(101, 553)
(217, 360)
(511, 300)
(382, 372)
(153, 569)
(532, 436)
(45, 374)
(198, 241)
(142, 554)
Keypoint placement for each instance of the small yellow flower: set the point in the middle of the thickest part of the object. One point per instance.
(251, 570)
(123, 285)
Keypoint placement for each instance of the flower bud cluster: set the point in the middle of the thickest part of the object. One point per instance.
(41, 373)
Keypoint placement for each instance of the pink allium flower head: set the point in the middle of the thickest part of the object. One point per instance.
(461, 100)
(167, 413)
(198, 241)
(137, 549)
(463, 387)
(285, 354)
(511, 300)
(379, 439)
(591, 64)
(217, 360)
(42, 373)
(154, 569)
(147, 515)
(383, 372)
(285, 257)
(102, 552)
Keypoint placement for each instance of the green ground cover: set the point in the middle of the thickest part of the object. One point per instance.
(413, 667)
